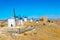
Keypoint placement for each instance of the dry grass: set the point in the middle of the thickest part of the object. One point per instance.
(42, 32)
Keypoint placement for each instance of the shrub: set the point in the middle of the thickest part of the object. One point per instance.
(2, 25)
(25, 34)
(44, 24)
(49, 21)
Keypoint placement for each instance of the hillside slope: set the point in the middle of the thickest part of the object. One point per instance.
(42, 31)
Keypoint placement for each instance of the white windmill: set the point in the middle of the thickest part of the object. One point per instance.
(12, 21)
(21, 22)
(25, 19)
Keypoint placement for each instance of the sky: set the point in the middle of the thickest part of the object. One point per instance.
(30, 8)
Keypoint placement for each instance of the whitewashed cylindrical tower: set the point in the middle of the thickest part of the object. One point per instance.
(25, 19)
(21, 22)
(11, 22)
(31, 20)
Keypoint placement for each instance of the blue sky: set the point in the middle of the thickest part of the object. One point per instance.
(30, 8)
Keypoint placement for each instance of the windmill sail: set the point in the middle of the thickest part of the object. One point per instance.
(14, 14)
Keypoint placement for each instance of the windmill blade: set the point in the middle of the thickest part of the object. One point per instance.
(14, 14)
